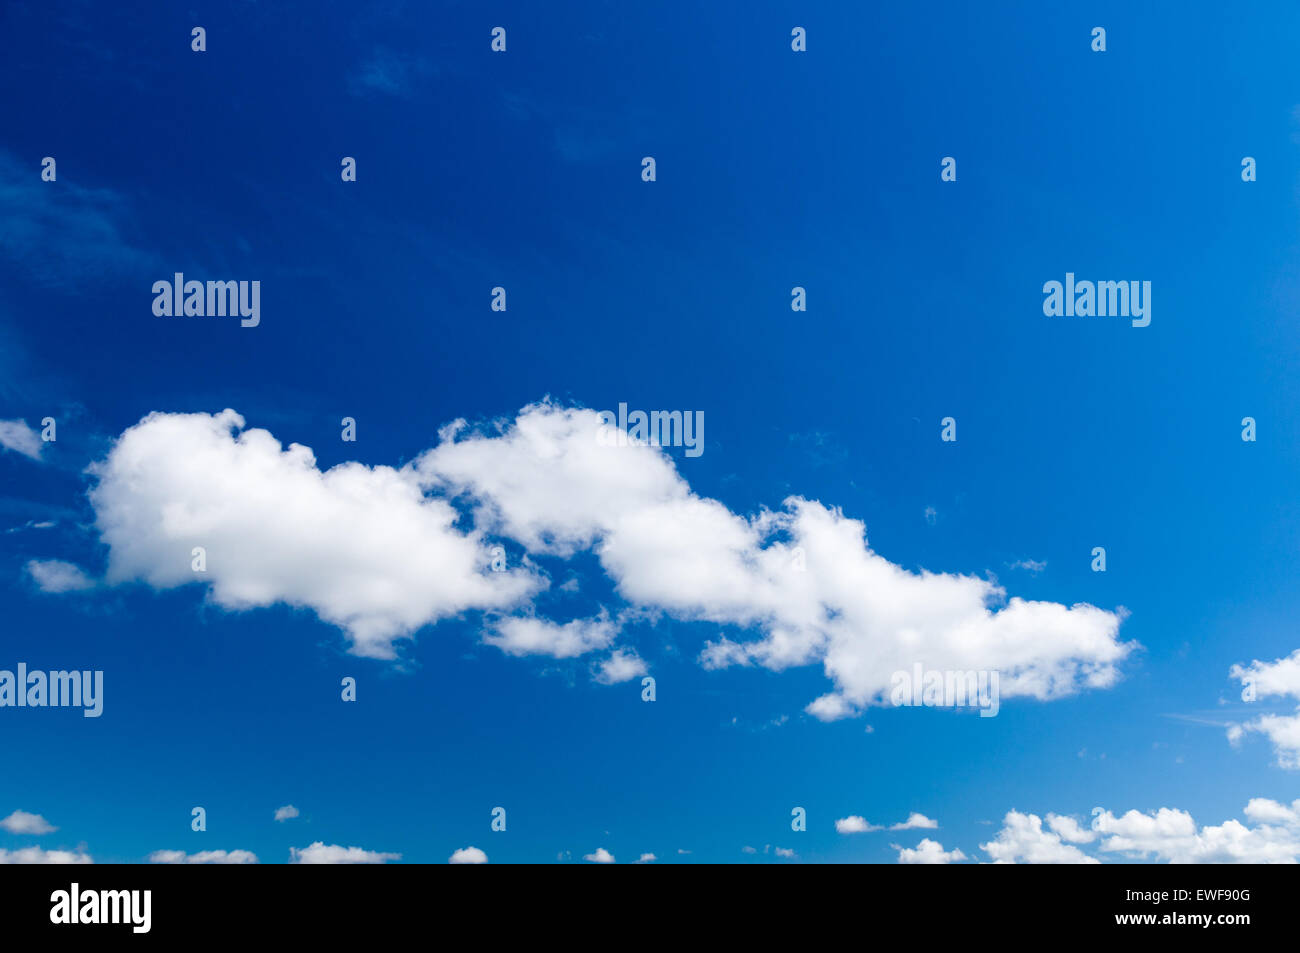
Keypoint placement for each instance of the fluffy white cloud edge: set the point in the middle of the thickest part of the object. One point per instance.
(928, 852)
(38, 855)
(1165, 835)
(22, 822)
(15, 435)
(381, 552)
(56, 576)
(203, 857)
(322, 853)
(468, 855)
(1281, 677)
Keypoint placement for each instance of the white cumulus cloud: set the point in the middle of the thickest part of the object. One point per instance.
(1069, 829)
(622, 665)
(203, 857)
(37, 855)
(21, 822)
(379, 552)
(1172, 836)
(468, 855)
(1280, 677)
(928, 852)
(361, 546)
(548, 483)
(1022, 840)
(855, 824)
(526, 635)
(1164, 835)
(321, 853)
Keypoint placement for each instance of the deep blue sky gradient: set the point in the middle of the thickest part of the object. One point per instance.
(774, 170)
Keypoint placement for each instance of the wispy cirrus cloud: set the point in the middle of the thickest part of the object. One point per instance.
(388, 72)
(59, 576)
(15, 435)
(1032, 566)
(62, 234)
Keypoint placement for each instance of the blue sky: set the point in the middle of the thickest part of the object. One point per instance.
(775, 169)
